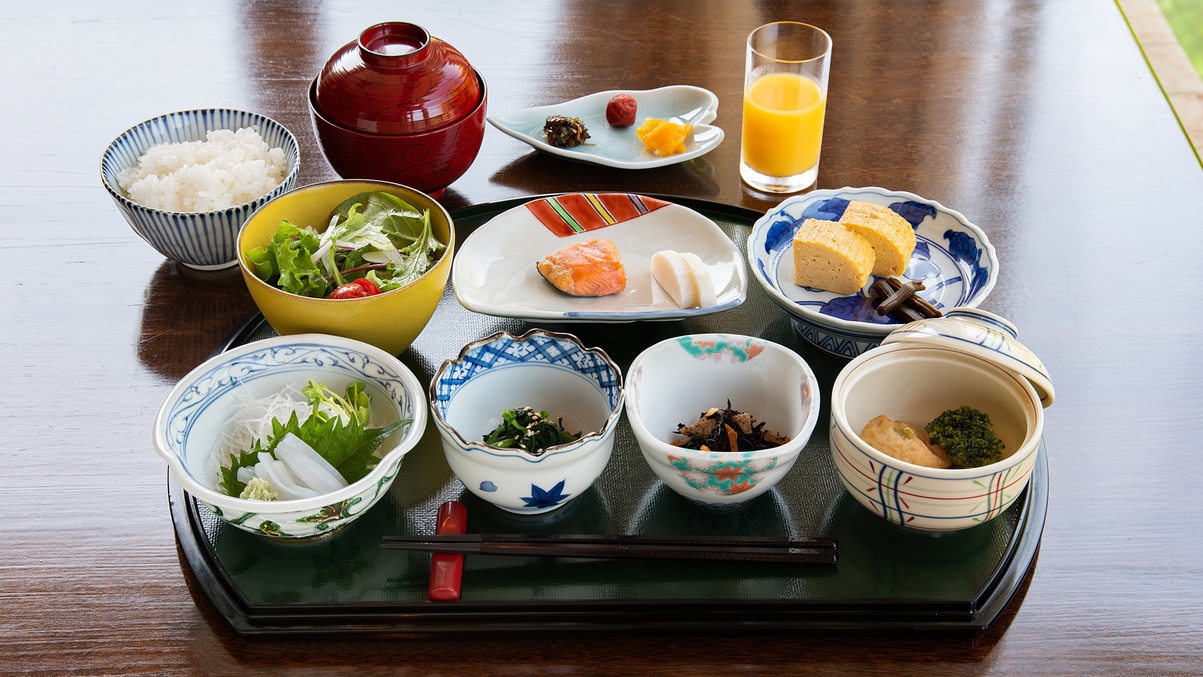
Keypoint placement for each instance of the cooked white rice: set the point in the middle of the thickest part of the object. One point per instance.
(226, 170)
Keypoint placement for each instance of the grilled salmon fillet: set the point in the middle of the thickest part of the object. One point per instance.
(589, 268)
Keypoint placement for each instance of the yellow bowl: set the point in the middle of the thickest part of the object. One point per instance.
(391, 320)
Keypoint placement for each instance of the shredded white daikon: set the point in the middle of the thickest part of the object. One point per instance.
(253, 421)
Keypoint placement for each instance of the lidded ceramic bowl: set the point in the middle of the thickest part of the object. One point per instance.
(971, 358)
(397, 78)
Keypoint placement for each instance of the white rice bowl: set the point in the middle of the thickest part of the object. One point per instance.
(227, 169)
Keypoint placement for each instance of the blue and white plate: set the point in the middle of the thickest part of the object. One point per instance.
(619, 146)
(952, 257)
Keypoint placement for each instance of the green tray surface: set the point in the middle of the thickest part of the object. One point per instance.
(887, 576)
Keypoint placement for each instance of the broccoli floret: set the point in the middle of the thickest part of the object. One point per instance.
(968, 437)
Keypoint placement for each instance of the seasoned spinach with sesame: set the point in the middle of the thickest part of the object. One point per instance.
(529, 430)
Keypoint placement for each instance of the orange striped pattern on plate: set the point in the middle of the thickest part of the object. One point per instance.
(567, 215)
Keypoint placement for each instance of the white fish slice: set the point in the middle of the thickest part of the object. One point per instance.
(308, 466)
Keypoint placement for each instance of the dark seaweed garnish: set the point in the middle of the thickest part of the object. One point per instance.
(727, 430)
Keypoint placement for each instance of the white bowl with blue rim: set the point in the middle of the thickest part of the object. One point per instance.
(203, 240)
(547, 371)
(967, 358)
(189, 426)
(677, 380)
(953, 258)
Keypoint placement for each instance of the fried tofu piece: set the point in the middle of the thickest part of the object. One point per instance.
(901, 440)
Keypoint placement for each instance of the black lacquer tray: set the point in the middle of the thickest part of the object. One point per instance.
(887, 577)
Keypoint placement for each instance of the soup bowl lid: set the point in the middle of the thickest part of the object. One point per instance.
(397, 78)
(984, 335)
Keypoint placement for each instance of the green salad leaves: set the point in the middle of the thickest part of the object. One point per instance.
(375, 235)
(336, 429)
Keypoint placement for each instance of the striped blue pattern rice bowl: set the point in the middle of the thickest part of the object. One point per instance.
(203, 239)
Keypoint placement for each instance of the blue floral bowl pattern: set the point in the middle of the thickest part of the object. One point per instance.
(204, 240)
(188, 426)
(952, 257)
(547, 371)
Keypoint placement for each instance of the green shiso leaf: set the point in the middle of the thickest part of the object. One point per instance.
(345, 444)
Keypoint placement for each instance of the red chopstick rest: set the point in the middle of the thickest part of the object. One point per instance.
(447, 568)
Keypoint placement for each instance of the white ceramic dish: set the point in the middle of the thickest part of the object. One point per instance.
(618, 146)
(494, 271)
(952, 257)
(676, 380)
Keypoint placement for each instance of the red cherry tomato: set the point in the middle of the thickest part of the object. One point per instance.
(620, 112)
(355, 289)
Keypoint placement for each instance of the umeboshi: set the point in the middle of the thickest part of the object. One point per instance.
(620, 112)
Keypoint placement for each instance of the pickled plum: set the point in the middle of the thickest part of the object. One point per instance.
(620, 111)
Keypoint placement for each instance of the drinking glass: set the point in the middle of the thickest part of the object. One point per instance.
(785, 100)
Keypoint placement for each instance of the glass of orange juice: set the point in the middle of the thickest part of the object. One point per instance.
(785, 99)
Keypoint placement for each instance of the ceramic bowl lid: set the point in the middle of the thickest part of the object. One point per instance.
(983, 335)
(397, 79)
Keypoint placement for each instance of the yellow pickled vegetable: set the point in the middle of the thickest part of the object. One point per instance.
(663, 137)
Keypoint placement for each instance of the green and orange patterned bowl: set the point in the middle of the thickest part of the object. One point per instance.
(677, 380)
(190, 428)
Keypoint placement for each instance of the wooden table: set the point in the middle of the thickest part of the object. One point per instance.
(1040, 121)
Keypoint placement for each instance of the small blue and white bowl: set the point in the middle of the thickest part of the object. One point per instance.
(541, 369)
(189, 425)
(952, 257)
(201, 240)
(676, 380)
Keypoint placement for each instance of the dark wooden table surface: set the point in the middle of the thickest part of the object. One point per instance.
(1038, 120)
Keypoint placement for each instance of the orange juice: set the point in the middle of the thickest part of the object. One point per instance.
(783, 124)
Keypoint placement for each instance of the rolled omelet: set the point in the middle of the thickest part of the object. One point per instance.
(890, 235)
(829, 256)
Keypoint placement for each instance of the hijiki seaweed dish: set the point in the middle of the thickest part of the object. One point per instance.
(727, 430)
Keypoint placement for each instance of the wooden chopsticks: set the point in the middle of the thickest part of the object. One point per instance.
(734, 548)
